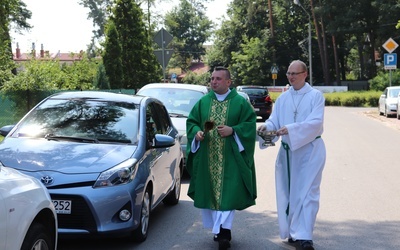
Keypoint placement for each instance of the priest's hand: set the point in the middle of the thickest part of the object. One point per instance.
(199, 136)
(262, 128)
(224, 131)
(282, 131)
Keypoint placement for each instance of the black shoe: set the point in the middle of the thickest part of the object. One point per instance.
(224, 244)
(215, 237)
(306, 245)
(290, 240)
(225, 234)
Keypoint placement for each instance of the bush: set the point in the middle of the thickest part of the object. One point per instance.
(347, 99)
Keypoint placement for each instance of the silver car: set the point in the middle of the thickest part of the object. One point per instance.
(388, 101)
(179, 99)
(106, 159)
(27, 215)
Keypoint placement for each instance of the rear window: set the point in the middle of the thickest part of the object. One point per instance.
(255, 92)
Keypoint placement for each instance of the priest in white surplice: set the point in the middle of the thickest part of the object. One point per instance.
(298, 117)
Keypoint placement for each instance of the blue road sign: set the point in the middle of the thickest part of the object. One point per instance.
(390, 60)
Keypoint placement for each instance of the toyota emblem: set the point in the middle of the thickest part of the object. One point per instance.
(46, 180)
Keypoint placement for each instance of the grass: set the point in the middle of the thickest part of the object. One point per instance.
(347, 99)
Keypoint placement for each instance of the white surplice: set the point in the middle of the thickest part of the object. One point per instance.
(306, 154)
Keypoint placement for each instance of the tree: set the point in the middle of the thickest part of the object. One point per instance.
(99, 11)
(138, 62)
(191, 29)
(247, 64)
(247, 30)
(13, 13)
(101, 81)
(112, 57)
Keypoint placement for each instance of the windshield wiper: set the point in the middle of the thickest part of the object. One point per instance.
(114, 140)
(70, 138)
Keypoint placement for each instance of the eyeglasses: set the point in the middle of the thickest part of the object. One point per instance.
(294, 73)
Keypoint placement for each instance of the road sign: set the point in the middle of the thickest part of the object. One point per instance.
(390, 45)
(274, 76)
(163, 60)
(390, 61)
(274, 69)
(163, 38)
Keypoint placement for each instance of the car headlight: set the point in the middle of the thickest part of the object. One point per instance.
(121, 174)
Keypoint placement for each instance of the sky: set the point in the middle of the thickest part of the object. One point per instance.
(62, 25)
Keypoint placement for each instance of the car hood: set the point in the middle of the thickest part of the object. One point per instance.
(179, 124)
(391, 100)
(66, 157)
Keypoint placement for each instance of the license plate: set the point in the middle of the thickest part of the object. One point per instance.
(256, 109)
(63, 206)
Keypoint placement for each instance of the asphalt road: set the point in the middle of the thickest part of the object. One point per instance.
(360, 196)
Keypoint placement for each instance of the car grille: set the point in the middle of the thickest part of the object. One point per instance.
(81, 216)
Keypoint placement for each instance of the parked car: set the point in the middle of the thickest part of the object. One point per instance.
(179, 99)
(245, 96)
(107, 159)
(388, 101)
(28, 219)
(259, 98)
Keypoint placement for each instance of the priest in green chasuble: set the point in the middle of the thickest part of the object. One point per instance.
(221, 132)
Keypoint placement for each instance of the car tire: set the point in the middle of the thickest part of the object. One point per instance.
(38, 237)
(173, 197)
(379, 110)
(140, 233)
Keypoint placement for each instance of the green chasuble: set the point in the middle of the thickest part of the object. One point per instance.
(222, 177)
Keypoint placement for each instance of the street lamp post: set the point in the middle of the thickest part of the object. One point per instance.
(297, 2)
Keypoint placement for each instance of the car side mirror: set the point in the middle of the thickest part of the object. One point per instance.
(5, 130)
(163, 141)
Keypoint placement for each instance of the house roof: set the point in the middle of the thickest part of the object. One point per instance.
(47, 55)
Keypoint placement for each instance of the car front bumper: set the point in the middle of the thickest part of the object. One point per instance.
(96, 211)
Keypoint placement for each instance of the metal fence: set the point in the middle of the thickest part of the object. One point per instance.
(14, 105)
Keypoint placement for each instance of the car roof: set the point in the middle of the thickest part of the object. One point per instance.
(100, 95)
(200, 88)
(394, 87)
(251, 87)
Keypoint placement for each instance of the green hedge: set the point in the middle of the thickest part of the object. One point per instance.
(347, 99)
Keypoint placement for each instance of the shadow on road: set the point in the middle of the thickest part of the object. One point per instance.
(179, 227)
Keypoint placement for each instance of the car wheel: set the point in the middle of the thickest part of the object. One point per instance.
(380, 112)
(38, 238)
(173, 197)
(140, 233)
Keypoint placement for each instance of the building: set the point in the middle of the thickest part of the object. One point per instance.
(67, 58)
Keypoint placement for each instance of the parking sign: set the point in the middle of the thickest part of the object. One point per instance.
(390, 60)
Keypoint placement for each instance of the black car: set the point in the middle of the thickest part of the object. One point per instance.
(259, 98)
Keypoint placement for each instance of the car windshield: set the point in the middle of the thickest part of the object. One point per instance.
(84, 120)
(179, 102)
(394, 92)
